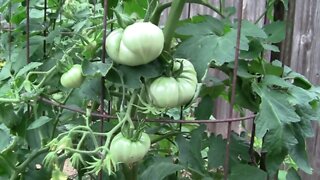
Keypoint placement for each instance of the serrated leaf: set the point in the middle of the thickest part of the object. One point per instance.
(276, 140)
(275, 159)
(96, 68)
(39, 122)
(91, 89)
(276, 31)
(247, 172)
(292, 174)
(252, 30)
(299, 154)
(201, 25)
(132, 75)
(160, 170)
(189, 151)
(270, 47)
(274, 110)
(216, 153)
(28, 67)
(5, 139)
(217, 150)
(205, 108)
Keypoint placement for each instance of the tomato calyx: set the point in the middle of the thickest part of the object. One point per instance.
(123, 19)
(177, 73)
(131, 134)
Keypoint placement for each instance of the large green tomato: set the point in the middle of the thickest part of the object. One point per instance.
(72, 78)
(124, 150)
(169, 92)
(137, 44)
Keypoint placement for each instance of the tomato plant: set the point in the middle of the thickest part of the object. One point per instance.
(128, 151)
(152, 74)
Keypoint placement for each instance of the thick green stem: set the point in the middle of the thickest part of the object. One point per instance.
(161, 7)
(172, 21)
(130, 172)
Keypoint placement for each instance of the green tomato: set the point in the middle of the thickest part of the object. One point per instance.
(137, 44)
(124, 150)
(72, 78)
(169, 92)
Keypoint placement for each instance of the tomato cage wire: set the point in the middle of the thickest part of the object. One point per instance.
(105, 115)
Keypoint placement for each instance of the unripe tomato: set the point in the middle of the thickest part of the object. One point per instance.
(137, 44)
(124, 150)
(72, 78)
(169, 92)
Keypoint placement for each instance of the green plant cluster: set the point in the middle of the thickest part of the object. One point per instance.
(65, 102)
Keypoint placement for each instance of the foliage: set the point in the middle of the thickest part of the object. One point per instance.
(43, 122)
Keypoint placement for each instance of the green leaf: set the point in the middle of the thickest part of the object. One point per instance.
(250, 29)
(160, 170)
(35, 13)
(299, 155)
(217, 150)
(216, 153)
(39, 122)
(274, 160)
(270, 47)
(28, 67)
(292, 174)
(8, 116)
(274, 110)
(138, 7)
(247, 172)
(5, 71)
(189, 151)
(276, 31)
(91, 89)
(6, 138)
(200, 25)
(132, 76)
(96, 68)
(205, 108)
(276, 140)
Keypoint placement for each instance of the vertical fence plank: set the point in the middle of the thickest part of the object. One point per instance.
(305, 58)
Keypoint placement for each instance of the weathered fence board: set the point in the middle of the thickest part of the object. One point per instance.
(305, 58)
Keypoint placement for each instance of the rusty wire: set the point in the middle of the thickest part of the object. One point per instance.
(233, 90)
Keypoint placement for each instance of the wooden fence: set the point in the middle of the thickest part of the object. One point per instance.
(300, 51)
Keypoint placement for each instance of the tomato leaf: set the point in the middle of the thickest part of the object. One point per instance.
(292, 174)
(6, 138)
(274, 110)
(189, 151)
(276, 31)
(28, 67)
(160, 170)
(96, 68)
(132, 76)
(39, 122)
(247, 172)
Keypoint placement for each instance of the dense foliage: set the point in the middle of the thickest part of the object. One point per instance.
(65, 102)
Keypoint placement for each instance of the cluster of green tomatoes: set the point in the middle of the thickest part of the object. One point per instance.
(138, 44)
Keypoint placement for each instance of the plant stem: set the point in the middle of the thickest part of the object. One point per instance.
(161, 7)
(130, 172)
(22, 166)
(10, 100)
(173, 19)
